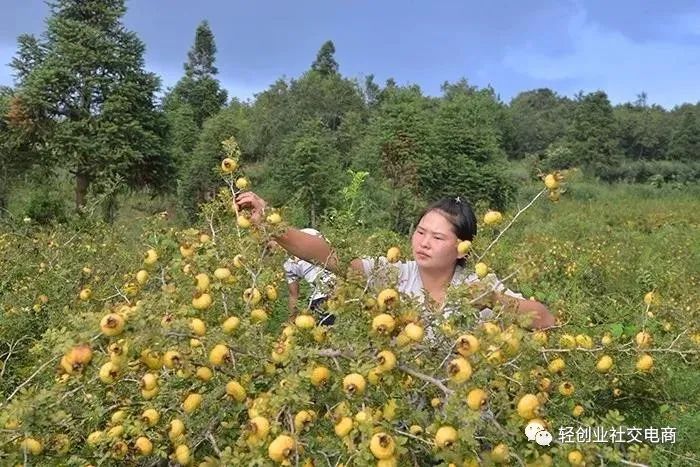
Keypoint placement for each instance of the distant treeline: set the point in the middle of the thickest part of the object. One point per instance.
(84, 105)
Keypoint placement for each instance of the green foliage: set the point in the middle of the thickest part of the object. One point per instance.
(325, 63)
(45, 207)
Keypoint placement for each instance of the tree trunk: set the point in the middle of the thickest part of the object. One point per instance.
(81, 186)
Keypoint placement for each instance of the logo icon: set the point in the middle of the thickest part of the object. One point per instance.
(536, 432)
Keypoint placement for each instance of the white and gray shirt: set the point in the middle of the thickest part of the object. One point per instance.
(320, 279)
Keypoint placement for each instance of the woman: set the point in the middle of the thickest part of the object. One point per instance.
(436, 265)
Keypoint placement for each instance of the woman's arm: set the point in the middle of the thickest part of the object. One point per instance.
(541, 316)
(300, 244)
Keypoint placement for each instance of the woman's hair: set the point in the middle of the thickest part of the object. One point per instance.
(461, 215)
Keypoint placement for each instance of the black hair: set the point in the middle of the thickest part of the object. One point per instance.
(461, 215)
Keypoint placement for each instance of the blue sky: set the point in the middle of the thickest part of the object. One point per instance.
(623, 47)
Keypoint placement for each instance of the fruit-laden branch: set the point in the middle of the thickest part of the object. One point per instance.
(426, 378)
(544, 190)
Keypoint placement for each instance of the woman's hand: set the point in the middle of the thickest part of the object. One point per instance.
(257, 205)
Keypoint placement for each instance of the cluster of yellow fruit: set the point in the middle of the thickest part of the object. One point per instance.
(552, 181)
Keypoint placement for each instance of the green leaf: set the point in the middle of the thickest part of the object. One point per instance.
(616, 330)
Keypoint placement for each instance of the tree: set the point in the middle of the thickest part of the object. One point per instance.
(642, 129)
(325, 61)
(685, 138)
(84, 83)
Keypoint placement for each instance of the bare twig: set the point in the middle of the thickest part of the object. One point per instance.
(28, 380)
(436, 382)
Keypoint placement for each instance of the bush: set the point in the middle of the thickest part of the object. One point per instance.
(46, 207)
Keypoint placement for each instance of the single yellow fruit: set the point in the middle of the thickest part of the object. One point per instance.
(551, 182)
(645, 362)
(382, 445)
(204, 373)
(243, 222)
(540, 337)
(467, 345)
(202, 282)
(604, 364)
(186, 250)
(142, 276)
(204, 238)
(198, 327)
(258, 315)
(259, 427)
(281, 448)
(607, 339)
(108, 373)
(149, 381)
(116, 431)
(463, 247)
(150, 416)
(182, 454)
(584, 341)
(95, 437)
(528, 405)
(271, 292)
(500, 453)
(557, 365)
(112, 325)
(305, 321)
(386, 360)
(575, 458)
(251, 296)
(643, 339)
(493, 218)
(150, 257)
(201, 301)
(481, 269)
(303, 419)
(118, 417)
(567, 341)
(383, 324)
(354, 383)
(177, 428)
(445, 437)
(459, 370)
(393, 254)
(242, 183)
(32, 446)
(239, 261)
(274, 218)
(192, 402)
(222, 273)
(218, 354)
(172, 359)
(319, 375)
(236, 390)
(144, 446)
(476, 399)
(566, 388)
(150, 394)
(414, 332)
(577, 411)
(228, 165)
(387, 299)
(230, 324)
(343, 427)
(651, 298)
(85, 294)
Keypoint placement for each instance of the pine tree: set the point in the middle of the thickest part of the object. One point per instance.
(325, 62)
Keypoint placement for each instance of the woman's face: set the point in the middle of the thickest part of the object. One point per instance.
(434, 242)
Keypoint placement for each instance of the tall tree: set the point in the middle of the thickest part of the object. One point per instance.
(685, 138)
(85, 82)
(325, 60)
(591, 137)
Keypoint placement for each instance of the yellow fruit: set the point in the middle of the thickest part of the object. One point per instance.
(390, 462)
(303, 419)
(651, 298)
(354, 383)
(142, 276)
(643, 339)
(463, 247)
(604, 364)
(108, 373)
(259, 427)
(204, 238)
(575, 458)
(204, 373)
(222, 273)
(192, 402)
(32, 446)
(150, 416)
(459, 370)
(389, 410)
(500, 453)
(382, 445)
(551, 182)
(258, 315)
(150, 394)
(540, 337)
(231, 324)
(116, 431)
(387, 299)
(305, 321)
(281, 448)
(481, 269)
(393, 254)
(186, 250)
(235, 390)
(144, 446)
(228, 165)
(343, 427)
(528, 405)
(95, 437)
(476, 399)
(386, 360)
(85, 294)
(77, 359)
(491, 329)
(374, 376)
(177, 428)
(243, 222)
(112, 324)
(557, 365)
(383, 324)
(202, 282)
(414, 332)
(645, 362)
(274, 218)
(118, 417)
(467, 345)
(242, 183)
(238, 261)
(577, 411)
(251, 296)
(201, 301)
(566, 388)
(271, 292)
(198, 327)
(150, 257)
(493, 218)
(149, 381)
(172, 359)
(567, 341)
(182, 454)
(584, 341)
(319, 376)
(445, 437)
(606, 340)
(195, 343)
(218, 354)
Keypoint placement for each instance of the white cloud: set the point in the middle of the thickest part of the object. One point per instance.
(600, 58)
